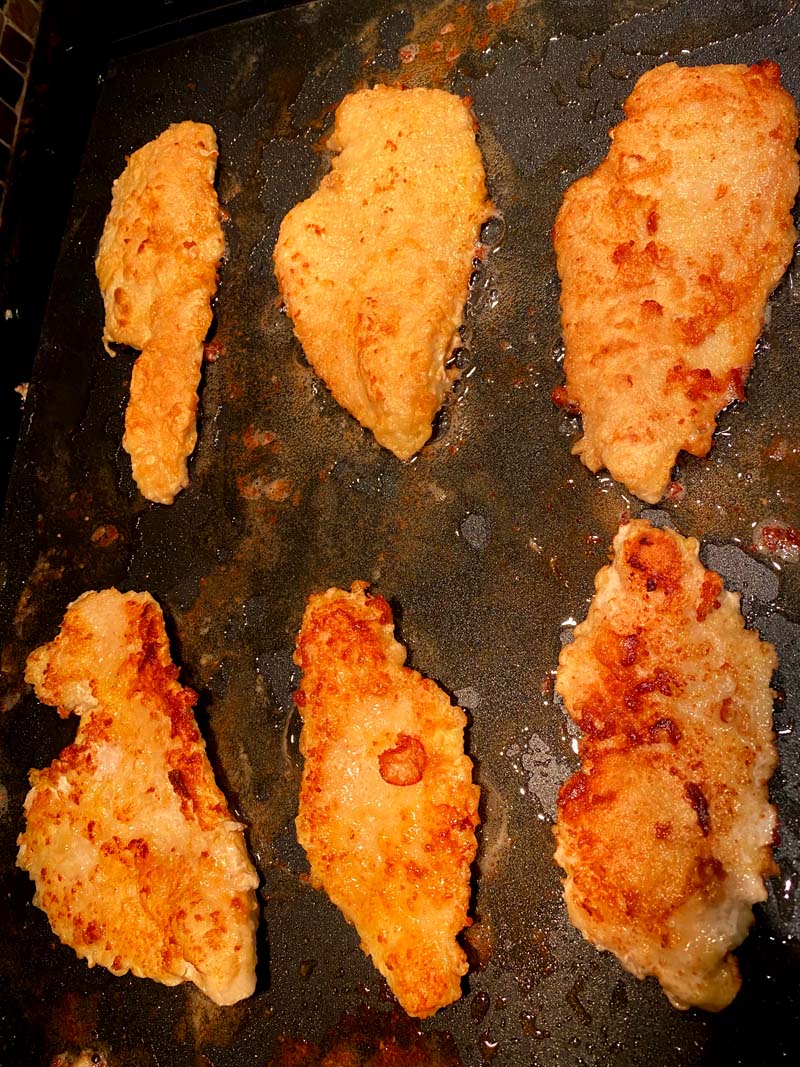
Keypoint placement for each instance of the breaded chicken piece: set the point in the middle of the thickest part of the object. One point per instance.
(374, 267)
(137, 861)
(388, 809)
(666, 831)
(667, 254)
(157, 267)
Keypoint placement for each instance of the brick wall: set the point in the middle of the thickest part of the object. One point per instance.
(19, 21)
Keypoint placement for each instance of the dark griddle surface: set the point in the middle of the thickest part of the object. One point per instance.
(486, 545)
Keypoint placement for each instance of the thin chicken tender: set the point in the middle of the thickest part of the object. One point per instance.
(137, 861)
(388, 809)
(667, 254)
(374, 267)
(665, 834)
(157, 267)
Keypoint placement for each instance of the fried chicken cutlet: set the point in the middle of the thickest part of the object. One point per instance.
(157, 267)
(388, 809)
(374, 267)
(665, 833)
(667, 254)
(138, 863)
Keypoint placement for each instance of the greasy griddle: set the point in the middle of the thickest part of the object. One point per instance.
(486, 545)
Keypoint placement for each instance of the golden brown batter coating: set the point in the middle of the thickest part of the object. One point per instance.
(374, 267)
(157, 267)
(137, 861)
(387, 806)
(667, 254)
(666, 831)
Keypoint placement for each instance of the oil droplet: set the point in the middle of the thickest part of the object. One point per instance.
(488, 1048)
(619, 998)
(575, 1002)
(291, 738)
(588, 67)
(458, 358)
(493, 232)
(563, 99)
(531, 1029)
(479, 1006)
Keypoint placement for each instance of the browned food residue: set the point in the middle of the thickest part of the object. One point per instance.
(104, 536)
(212, 350)
(369, 1038)
(561, 400)
(405, 763)
(774, 537)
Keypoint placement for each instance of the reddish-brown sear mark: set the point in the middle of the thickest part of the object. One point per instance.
(93, 932)
(629, 645)
(574, 788)
(622, 252)
(710, 869)
(667, 726)
(710, 593)
(655, 559)
(177, 782)
(661, 682)
(697, 799)
(381, 609)
(139, 847)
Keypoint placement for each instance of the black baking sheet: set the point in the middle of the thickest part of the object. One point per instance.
(486, 545)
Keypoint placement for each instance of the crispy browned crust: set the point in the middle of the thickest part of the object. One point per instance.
(157, 267)
(137, 861)
(374, 267)
(388, 809)
(666, 831)
(667, 254)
